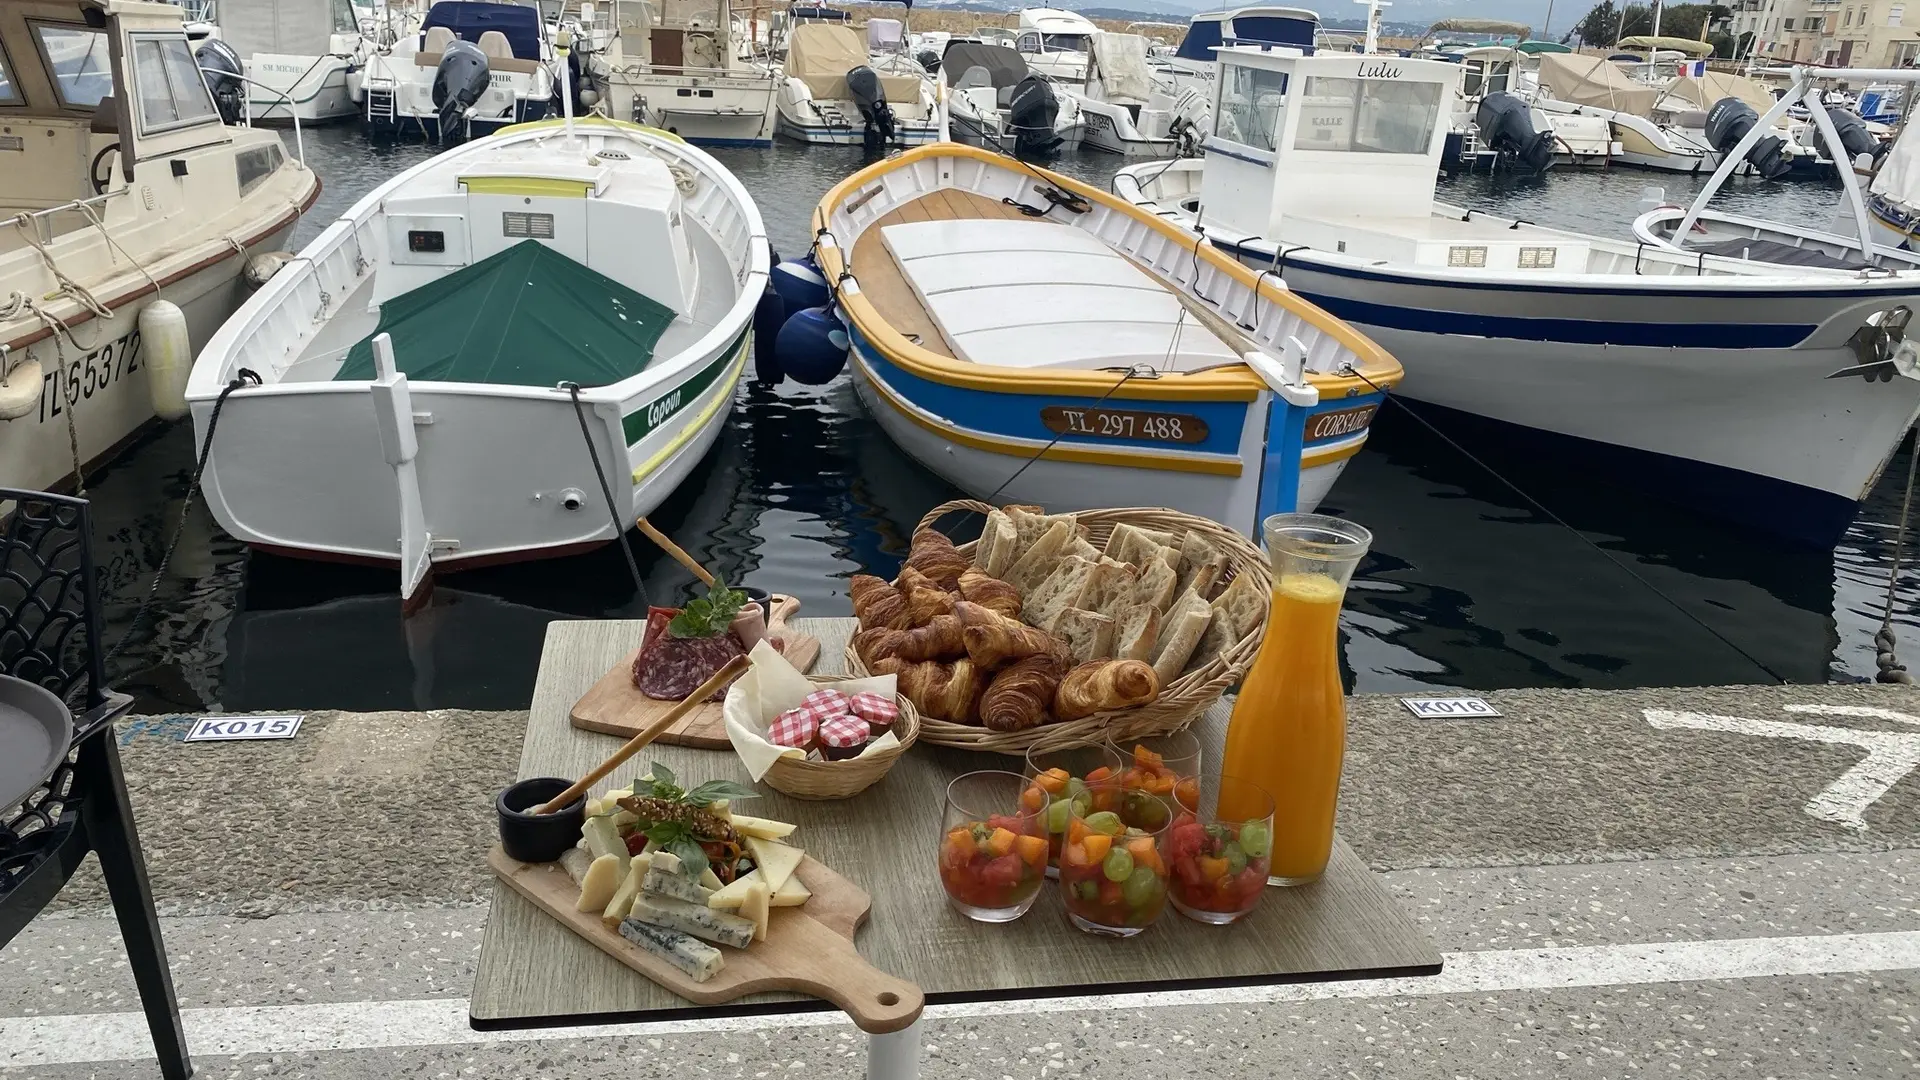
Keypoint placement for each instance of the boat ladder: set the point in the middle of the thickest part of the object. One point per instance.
(380, 105)
(830, 115)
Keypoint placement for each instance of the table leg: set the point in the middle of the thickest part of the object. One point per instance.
(895, 1056)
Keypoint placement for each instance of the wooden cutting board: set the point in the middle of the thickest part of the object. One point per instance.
(617, 707)
(809, 949)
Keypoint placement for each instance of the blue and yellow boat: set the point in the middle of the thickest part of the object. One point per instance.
(1032, 339)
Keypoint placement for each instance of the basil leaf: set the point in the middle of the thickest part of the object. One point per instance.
(720, 789)
(693, 857)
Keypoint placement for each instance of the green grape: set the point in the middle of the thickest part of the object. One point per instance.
(1236, 858)
(1076, 786)
(1106, 821)
(1057, 815)
(1088, 891)
(1255, 840)
(1141, 887)
(1119, 865)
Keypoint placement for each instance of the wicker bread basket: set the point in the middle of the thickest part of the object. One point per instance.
(820, 780)
(1180, 703)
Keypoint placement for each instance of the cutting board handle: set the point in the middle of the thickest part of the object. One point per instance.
(782, 607)
(878, 1003)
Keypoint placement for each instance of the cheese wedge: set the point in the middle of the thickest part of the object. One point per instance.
(602, 838)
(622, 900)
(602, 880)
(575, 861)
(730, 896)
(776, 861)
(792, 894)
(709, 879)
(755, 908)
(764, 828)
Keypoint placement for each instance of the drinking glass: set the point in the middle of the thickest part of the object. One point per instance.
(1113, 879)
(993, 845)
(1087, 773)
(1219, 853)
(1159, 773)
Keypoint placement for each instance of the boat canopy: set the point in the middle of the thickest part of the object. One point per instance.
(821, 54)
(1535, 48)
(1490, 27)
(885, 35)
(468, 19)
(1003, 66)
(1704, 90)
(1121, 61)
(1647, 42)
(525, 316)
(821, 13)
(1595, 81)
(1271, 25)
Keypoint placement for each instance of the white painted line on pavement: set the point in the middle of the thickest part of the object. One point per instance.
(304, 1029)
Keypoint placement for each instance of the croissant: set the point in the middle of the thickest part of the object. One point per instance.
(1104, 684)
(935, 556)
(942, 691)
(877, 643)
(940, 639)
(992, 640)
(990, 592)
(876, 603)
(1020, 694)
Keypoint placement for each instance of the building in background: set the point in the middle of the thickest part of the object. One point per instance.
(1833, 33)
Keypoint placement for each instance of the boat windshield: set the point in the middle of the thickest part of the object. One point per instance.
(1371, 116)
(1063, 43)
(1252, 103)
(8, 95)
(78, 58)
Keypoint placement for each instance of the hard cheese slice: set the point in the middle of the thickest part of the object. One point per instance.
(755, 908)
(792, 894)
(597, 888)
(764, 828)
(776, 861)
(732, 895)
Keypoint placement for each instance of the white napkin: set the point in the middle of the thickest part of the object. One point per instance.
(772, 686)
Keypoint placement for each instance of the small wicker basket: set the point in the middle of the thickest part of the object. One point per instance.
(821, 780)
(1180, 703)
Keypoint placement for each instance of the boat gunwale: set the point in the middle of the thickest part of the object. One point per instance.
(664, 370)
(1231, 382)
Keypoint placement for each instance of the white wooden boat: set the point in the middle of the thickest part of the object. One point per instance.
(475, 67)
(821, 99)
(993, 100)
(1697, 377)
(615, 257)
(128, 223)
(1032, 339)
(684, 66)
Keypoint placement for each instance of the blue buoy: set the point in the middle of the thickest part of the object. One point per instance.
(768, 317)
(800, 285)
(812, 346)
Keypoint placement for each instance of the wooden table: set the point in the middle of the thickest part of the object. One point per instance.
(535, 973)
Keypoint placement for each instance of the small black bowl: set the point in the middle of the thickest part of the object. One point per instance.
(758, 596)
(531, 837)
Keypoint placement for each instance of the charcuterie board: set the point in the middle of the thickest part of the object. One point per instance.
(808, 950)
(616, 707)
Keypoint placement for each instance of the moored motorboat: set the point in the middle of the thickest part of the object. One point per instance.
(1031, 339)
(684, 66)
(993, 100)
(475, 67)
(415, 360)
(836, 92)
(1698, 377)
(127, 223)
(1127, 110)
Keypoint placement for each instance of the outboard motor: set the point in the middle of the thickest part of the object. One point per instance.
(928, 59)
(1032, 110)
(864, 84)
(458, 83)
(1729, 121)
(1854, 136)
(1506, 125)
(221, 67)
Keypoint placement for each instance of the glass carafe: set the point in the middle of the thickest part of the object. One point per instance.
(1288, 734)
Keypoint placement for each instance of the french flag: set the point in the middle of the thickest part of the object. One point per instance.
(1695, 68)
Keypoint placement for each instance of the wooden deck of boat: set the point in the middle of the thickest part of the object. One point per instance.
(879, 275)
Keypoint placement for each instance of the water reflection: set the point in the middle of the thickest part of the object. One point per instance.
(1467, 585)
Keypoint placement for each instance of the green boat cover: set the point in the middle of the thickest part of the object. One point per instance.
(527, 316)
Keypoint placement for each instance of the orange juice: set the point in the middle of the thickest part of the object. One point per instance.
(1289, 728)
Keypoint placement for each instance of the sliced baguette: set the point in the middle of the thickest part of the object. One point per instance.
(1089, 634)
(1036, 562)
(1108, 586)
(1241, 606)
(1202, 565)
(995, 551)
(1042, 604)
(1155, 585)
(1180, 634)
(1135, 629)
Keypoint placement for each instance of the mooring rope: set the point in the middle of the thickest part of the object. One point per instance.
(606, 489)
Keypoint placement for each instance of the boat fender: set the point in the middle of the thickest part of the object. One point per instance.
(261, 268)
(768, 317)
(800, 285)
(812, 346)
(169, 356)
(20, 388)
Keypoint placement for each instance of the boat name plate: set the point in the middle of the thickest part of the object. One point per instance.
(1332, 425)
(1124, 424)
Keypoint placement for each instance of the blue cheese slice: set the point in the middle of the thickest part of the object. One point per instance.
(697, 919)
(697, 958)
(664, 879)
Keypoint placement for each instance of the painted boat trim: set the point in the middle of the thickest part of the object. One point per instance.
(699, 423)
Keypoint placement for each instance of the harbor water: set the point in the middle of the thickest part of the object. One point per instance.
(1468, 585)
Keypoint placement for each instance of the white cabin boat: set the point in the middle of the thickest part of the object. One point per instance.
(306, 60)
(821, 99)
(494, 59)
(131, 218)
(684, 66)
(1055, 43)
(1192, 65)
(994, 101)
(414, 361)
(1700, 378)
(1130, 112)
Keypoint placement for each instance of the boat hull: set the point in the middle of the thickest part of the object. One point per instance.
(1717, 402)
(1104, 132)
(315, 89)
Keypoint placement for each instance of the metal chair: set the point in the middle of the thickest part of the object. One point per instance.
(50, 634)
